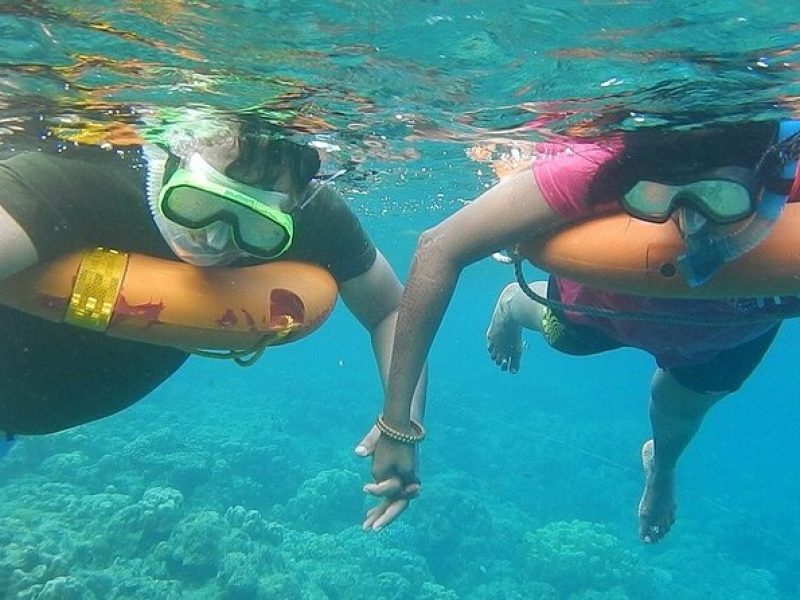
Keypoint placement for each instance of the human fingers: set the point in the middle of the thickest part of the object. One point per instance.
(374, 513)
(394, 459)
(367, 445)
(651, 534)
(382, 515)
(385, 489)
(412, 490)
(389, 513)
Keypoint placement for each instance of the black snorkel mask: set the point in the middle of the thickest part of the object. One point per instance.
(723, 195)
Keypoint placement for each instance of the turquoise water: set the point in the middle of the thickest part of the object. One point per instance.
(212, 486)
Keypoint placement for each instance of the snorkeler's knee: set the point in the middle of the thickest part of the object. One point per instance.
(672, 396)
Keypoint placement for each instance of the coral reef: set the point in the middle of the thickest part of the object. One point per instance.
(139, 506)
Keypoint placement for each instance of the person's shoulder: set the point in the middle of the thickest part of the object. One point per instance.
(21, 157)
(76, 159)
(36, 165)
(328, 232)
(325, 196)
(328, 206)
(569, 150)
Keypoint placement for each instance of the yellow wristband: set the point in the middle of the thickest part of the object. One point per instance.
(399, 436)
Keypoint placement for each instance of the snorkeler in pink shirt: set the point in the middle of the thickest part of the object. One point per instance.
(698, 363)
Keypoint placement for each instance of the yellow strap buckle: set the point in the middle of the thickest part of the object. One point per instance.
(97, 286)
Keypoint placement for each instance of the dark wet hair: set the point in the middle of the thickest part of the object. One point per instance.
(676, 156)
(265, 154)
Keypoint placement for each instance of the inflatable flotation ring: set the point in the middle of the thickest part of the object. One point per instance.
(621, 253)
(171, 303)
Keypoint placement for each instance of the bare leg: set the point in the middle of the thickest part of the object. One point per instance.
(513, 312)
(16, 249)
(676, 413)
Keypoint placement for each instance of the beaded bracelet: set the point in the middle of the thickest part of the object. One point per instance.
(399, 436)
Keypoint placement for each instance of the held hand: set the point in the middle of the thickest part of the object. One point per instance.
(366, 446)
(394, 467)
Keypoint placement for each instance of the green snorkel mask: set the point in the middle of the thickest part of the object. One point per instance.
(197, 196)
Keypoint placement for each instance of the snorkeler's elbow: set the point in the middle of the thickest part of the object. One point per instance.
(430, 247)
(433, 248)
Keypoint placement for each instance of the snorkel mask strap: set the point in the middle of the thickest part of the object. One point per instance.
(321, 183)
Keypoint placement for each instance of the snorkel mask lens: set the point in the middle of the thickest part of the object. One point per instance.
(197, 195)
(723, 197)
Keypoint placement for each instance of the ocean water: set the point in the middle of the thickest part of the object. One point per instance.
(241, 483)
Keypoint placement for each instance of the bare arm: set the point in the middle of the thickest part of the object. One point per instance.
(16, 248)
(511, 211)
(16, 254)
(373, 298)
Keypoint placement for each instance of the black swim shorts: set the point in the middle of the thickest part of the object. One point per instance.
(724, 373)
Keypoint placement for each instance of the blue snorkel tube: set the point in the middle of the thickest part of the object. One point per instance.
(712, 246)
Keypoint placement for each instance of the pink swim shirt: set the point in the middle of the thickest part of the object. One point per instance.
(564, 172)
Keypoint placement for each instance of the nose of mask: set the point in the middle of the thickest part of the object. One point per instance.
(217, 236)
(211, 246)
(690, 221)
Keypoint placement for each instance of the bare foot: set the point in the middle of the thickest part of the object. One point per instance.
(504, 336)
(657, 506)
